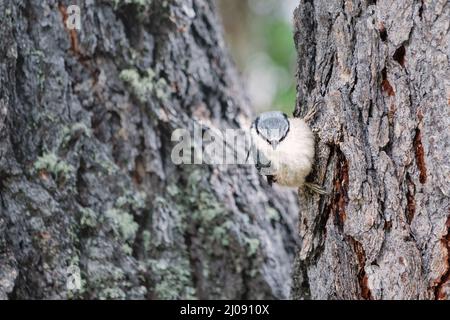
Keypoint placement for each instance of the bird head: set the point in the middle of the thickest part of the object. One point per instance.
(272, 126)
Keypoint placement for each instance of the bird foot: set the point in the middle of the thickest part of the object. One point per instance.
(316, 188)
(312, 112)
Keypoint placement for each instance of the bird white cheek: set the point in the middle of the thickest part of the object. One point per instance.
(295, 155)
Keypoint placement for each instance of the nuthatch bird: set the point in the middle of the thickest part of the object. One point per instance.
(284, 149)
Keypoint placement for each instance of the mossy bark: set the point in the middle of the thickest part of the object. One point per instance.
(86, 178)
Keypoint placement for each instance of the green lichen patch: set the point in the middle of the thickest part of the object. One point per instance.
(122, 224)
(204, 214)
(89, 218)
(201, 207)
(206, 208)
(146, 85)
(146, 240)
(112, 294)
(173, 190)
(172, 280)
(252, 246)
(109, 280)
(106, 165)
(74, 131)
(220, 233)
(134, 201)
(273, 214)
(52, 164)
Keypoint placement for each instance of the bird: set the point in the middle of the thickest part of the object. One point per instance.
(283, 149)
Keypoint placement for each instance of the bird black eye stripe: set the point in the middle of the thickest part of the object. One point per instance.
(285, 135)
(256, 125)
(288, 127)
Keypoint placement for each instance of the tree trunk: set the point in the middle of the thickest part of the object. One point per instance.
(86, 178)
(381, 68)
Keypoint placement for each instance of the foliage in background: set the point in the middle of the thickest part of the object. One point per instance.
(260, 37)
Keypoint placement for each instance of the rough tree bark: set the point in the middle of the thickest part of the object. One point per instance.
(86, 178)
(382, 69)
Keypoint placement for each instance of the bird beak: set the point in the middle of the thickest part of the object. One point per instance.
(274, 144)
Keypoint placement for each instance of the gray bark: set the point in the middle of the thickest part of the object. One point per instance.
(382, 70)
(86, 178)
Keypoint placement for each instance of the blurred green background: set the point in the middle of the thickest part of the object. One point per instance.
(259, 34)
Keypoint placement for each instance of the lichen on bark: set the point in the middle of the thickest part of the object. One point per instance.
(86, 179)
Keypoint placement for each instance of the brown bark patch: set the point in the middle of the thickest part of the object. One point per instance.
(439, 287)
(385, 85)
(420, 157)
(363, 280)
(74, 46)
(391, 113)
(139, 172)
(399, 55)
(383, 32)
(72, 32)
(340, 183)
(388, 225)
(411, 201)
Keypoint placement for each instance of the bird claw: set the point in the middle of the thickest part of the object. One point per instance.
(316, 188)
(312, 112)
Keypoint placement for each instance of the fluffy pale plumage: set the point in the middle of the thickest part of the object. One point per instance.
(293, 158)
